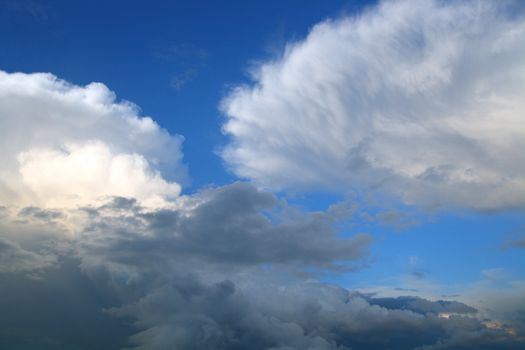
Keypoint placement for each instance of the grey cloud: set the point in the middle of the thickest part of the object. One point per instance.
(61, 310)
(419, 274)
(473, 339)
(294, 316)
(227, 226)
(518, 243)
(40, 214)
(15, 259)
(412, 290)
(450, 295)
(121, 203)
(230, 271)
(228, 268)
(400, 220)
(423, 306)
(372, 211)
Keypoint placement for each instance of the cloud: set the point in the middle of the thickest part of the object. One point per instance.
(36, 9)
(223, 227)
(420, 100)
(187, 59)
(231, 267)
(64, 145)
(495, 300)
(518, 243)
(15, 259)
(187, 255)
(295, 316)
(180, 80)
(423, 306)
(41, 214)
(61, 310)
(90, 199)
(500, 298)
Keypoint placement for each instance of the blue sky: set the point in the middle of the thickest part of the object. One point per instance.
(402, 115)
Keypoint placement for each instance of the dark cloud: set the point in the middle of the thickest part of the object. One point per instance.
(63, 310)
(15, 259)
(296, 316)
(121, 203)
(225, 226)
(40, 214)
(423, 306)
(228, 268)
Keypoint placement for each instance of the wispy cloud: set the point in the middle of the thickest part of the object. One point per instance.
(187, 59)
(408, 98)
(517, 243)
(35, 8)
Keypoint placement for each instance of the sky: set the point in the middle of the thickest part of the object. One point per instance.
(262, 175)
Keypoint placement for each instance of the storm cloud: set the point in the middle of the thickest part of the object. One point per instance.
(235, 267)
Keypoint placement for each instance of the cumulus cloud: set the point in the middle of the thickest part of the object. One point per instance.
(224, 227)
(64, 145)
(422, 100)
(294, 316)
(232, 267)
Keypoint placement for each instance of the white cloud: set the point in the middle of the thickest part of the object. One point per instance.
(82, 173)
(423, 100)
(64, 145)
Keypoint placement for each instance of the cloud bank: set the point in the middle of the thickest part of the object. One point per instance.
(422, 100)
(228, 268)
(64, 145)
